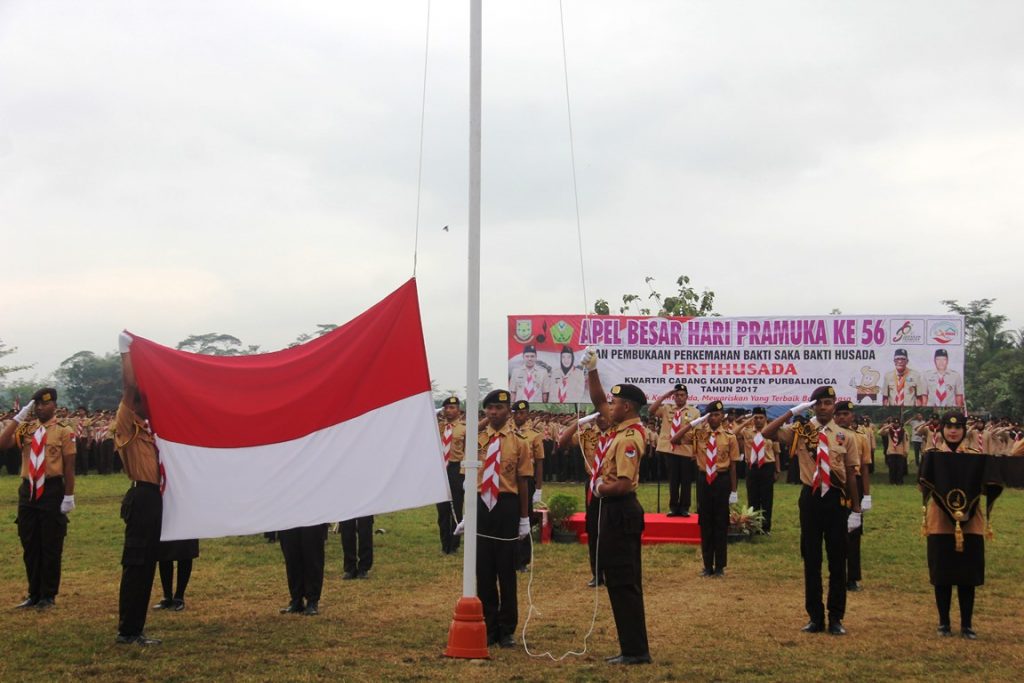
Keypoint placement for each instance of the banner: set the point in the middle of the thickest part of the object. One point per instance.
(340, 427)
(908, 360)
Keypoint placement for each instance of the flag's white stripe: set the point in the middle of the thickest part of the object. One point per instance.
(382, 461)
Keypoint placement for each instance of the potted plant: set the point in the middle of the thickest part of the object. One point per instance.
(560, 508)
(744, 523)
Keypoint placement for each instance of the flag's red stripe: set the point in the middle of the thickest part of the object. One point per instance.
(230, 402)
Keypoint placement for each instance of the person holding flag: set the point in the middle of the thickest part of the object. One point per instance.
(46, 494)
(828, 495)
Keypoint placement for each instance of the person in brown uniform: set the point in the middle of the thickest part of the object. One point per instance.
(142, 507)
(534, 483)
(593, 441)
(860, 458)
(717, 453)
(828, 494)
(763, 466)
(896, 452)
(678, 458)
(46, 494)
(952, 562)
(453, 448)
(621, 515)
(504, 499)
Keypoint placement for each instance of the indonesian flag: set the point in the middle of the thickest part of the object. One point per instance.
(337, 428)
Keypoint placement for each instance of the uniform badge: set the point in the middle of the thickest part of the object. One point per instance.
(841, 438)
(630, 451)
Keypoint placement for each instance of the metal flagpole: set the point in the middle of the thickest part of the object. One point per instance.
(467, 637)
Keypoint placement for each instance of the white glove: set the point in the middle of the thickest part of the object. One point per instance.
(733, 498)
(589, 360)
(67, 505)
(798, 409)
(865, 504)
(588, 419)
(23, 413)
(536, 497)
(124, 342)
(524, 527)
(460, 528)
(699, 420)
(854, 521)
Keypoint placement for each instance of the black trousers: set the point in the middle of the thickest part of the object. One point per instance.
(524, 548)
(445, 523)
(897, 468)
(680, 481)
(142, 511)
(591, 522)
(761, 491)
(622, 525)
(357, 544)
(41, 529)
(495, 564)
(82, 455)
(714, 521)
(853, 538)
(823, 518)
(303, 550)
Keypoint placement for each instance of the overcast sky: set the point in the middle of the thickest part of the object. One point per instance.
(250, 168)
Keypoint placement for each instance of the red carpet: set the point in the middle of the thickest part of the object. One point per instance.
(658, 528)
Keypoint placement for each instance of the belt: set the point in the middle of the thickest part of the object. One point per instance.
(619, 499)
(59, 477)
(146, 484)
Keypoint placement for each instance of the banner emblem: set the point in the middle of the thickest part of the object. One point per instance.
(524, 331)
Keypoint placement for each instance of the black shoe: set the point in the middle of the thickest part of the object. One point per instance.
(46, 603)
(141, 639)
(348, 576)
(719, 574)
(492, 640)
(311, 608)
(362, 575)
(674, 513)
(593, 583)
(835, 628)
(506, 642)
(813, 626)
(968, 633)
(853, 587)
(684, 513)
(944, 630)
(294, 607)
(30, 601)
(178, 604)
(630, 659)
(166, 603)
(704, 573)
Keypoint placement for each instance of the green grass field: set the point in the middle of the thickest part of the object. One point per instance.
(394, 626)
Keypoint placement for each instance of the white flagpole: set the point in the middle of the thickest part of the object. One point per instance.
(473, 317)
(467, 637)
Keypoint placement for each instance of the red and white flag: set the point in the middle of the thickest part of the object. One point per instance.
(337, 428)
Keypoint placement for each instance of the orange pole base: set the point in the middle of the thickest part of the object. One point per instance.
(467, 636)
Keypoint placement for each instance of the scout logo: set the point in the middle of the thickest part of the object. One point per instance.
(561, 332)
(944, 332)
(524, 331)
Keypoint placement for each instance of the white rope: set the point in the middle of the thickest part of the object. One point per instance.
(572, 159)
(419, 170)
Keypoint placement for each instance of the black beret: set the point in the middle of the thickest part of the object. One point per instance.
(681, 387)
(758, 410)
(712, 407)
(844, 405)
(823, 392)
(497, 396)
(520, 405)
(529, 348)
(44, 395)
(630, 392)
(900, 353)
(941, 353)
(451, 401)
(954, 420)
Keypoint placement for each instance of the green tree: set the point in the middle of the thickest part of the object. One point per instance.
(216, 344)
(321, 330)
(90, 380)
(686, 301)
(8, 369)
(994, 362)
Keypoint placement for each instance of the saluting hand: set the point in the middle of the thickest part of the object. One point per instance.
(802, 407)
(24, 412)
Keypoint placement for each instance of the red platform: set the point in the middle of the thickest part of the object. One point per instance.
(658, 528)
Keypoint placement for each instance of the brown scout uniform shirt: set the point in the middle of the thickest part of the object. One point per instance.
(726, 445)
(536, 442)
(515, 457)
(666, 412)
(60, 441)
(771, 447)
(457, 453)
(842, 449)
(937, 521)
(587, 439)
(622, 460)
(135, 446)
